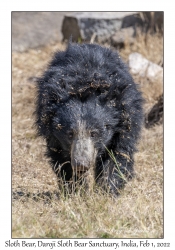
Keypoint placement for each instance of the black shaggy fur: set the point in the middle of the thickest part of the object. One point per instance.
(92, 83)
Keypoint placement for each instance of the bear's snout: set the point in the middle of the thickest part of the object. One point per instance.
(83, 155)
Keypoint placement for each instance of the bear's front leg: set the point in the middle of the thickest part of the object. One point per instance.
(117, 171)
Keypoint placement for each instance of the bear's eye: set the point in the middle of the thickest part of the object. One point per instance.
(70, 134)
(94, 134)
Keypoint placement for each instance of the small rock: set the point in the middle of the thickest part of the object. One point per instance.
(139, 65)
(154, 72)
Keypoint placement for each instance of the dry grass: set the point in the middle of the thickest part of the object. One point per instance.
(136, 213)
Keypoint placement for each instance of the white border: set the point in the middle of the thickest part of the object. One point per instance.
(5, 96)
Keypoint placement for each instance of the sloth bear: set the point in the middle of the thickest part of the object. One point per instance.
(89, 110)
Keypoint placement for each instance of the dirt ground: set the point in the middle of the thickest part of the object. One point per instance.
(32, 29)
(136, 213)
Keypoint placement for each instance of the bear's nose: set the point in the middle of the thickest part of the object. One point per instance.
(80, 165)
